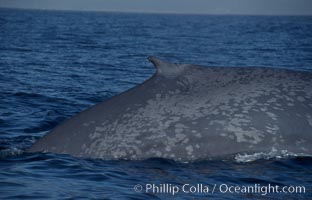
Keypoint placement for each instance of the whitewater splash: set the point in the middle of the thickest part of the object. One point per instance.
(273, 154)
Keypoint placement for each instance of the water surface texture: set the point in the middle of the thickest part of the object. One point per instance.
(55, 64)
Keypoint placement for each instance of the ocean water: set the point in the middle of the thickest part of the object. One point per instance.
(54, 64)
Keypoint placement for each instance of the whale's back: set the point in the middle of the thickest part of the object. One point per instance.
(189, 112)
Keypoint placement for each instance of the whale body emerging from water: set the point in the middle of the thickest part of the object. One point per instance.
(190, 112)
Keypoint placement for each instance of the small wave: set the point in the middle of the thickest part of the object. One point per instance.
(273, 154)
(16, 49)
(15, 145)
(28, 95)
(5, 153)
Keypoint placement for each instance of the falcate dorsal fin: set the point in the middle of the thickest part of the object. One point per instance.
(167, 69)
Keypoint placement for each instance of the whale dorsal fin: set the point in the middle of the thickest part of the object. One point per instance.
(167, 69)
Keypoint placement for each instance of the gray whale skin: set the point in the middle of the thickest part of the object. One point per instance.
(190, 112)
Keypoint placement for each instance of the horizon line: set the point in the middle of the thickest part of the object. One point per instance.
(154, 12)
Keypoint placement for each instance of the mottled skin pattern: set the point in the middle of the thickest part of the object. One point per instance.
(189, 112)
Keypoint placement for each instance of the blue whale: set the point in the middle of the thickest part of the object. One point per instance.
(190, 112)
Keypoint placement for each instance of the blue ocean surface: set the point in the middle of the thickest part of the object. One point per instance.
(54, 64)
